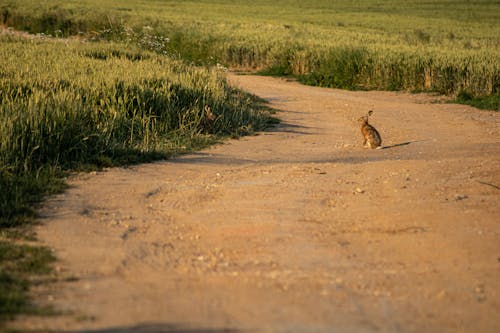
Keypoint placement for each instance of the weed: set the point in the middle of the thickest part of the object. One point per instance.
(491, 102)
(17, 264)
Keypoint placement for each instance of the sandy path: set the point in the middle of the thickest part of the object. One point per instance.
(298, 229)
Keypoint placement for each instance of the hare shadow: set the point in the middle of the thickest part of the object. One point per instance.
(159, 328)
(400, 144)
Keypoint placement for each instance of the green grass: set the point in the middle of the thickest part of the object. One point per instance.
(445, 46)
(69, 103)
(18, 263)
(491, 102)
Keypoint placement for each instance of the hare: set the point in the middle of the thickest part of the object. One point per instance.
(206, 124)
(370, 134)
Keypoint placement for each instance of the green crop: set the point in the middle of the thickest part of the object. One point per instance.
(450, 47)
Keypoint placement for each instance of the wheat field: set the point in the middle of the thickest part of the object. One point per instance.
(450, 47)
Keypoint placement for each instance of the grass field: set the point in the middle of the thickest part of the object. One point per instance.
(449, 47)
(123, 89)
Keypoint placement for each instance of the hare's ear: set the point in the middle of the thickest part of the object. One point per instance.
(370, 112)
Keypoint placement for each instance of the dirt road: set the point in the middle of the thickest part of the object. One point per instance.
(298, 229)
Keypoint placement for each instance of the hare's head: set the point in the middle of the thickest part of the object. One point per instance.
(208, 113)
(364, 119)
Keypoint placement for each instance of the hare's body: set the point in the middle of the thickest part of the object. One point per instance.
(371, 136)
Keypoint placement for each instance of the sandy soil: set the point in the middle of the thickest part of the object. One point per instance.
(298, 229)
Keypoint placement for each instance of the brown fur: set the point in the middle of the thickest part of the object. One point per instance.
(370, 135)
(207, 121)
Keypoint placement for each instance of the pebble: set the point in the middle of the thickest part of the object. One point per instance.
(441, 294)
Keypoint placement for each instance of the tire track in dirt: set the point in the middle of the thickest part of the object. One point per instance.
(298, 229)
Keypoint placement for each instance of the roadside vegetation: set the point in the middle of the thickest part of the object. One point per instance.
(118, 82)
(449, 47)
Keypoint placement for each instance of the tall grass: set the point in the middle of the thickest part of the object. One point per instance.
(450, 47)
(408, 69)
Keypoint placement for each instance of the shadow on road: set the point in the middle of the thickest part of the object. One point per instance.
(284, 127)
(152, 328)
(354, 156)
(399, 144)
